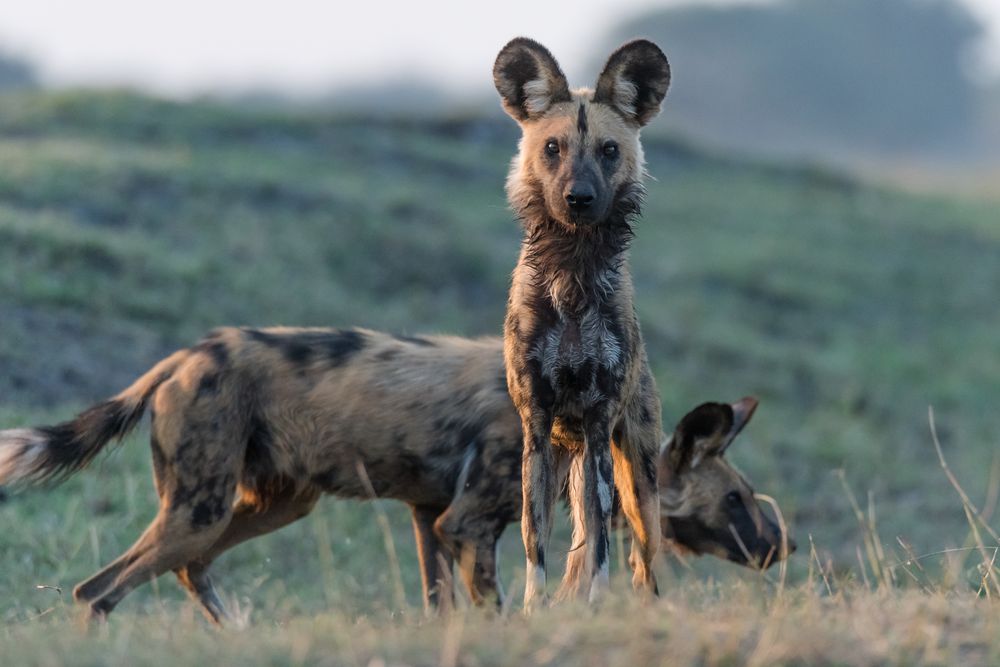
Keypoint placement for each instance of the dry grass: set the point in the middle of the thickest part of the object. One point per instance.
(698, 625)
(977, 523)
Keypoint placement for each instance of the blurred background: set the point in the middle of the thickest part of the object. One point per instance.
(914, 83)
(822, 230)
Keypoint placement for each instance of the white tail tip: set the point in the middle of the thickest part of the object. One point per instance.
(19, 450)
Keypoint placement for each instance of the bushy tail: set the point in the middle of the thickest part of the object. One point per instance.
(55, 452)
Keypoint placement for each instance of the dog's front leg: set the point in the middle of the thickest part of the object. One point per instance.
(539, 490)
(598, 474)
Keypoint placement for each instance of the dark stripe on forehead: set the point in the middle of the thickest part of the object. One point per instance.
(581, 119)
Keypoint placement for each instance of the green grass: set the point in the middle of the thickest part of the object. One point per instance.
(129, 226)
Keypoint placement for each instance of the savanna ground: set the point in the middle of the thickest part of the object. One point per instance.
(129, 226)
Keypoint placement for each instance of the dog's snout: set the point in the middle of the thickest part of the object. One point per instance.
(580, 196)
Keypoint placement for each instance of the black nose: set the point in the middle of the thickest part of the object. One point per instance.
(792, 546)
(580, 197)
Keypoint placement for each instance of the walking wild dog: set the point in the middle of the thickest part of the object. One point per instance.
(574, 355)
(251, 426)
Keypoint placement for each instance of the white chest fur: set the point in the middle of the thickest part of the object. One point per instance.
(573, 353)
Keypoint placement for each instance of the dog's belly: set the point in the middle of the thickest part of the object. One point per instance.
(362, 471)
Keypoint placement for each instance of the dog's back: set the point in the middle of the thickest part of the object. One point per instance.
(409, 411)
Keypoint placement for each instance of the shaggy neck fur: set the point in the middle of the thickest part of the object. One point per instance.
(577, 266)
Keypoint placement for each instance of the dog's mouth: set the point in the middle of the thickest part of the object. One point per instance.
(573, 218)
(581, 219)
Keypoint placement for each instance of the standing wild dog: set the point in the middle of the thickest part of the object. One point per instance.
(574, 355)
(251, 426)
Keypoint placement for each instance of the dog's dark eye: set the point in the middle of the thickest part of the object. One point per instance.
(610, 149)
(552, 147)
(733, 499)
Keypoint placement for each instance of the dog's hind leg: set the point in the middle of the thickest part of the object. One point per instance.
(93, 587)
(175, 537)
(197, 460)
(252, 517)
(195, 579)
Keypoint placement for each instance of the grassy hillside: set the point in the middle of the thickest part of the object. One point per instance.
(128, 226)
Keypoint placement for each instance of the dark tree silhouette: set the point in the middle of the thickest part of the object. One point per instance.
(15, 72)
(879, 75)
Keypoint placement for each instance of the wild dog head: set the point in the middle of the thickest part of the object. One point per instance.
(707, 505)
(580, 160)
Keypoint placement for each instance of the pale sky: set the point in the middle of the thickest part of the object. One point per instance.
(185, 47)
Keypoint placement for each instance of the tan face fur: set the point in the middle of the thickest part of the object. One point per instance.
(577, 149)
(579, 152)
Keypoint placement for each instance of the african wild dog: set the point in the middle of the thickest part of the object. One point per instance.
(251, 426)
(574, 355)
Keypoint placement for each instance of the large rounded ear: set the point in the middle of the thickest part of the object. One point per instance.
(528, 79)
(743, 410)
(635, 81)
(706, 431)
(699, 434)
